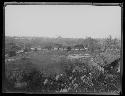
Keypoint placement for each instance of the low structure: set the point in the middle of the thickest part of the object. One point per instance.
(76, 49)
(78, 56)
(114, 65)
(20, 51)
(55, 48)
(32, 48)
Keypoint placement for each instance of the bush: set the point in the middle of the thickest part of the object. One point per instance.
(12, 53)
(20, 71)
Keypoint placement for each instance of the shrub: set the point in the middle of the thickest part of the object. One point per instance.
(12, 53)
(20, 71)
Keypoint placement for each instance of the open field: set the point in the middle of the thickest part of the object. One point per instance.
(45, 61)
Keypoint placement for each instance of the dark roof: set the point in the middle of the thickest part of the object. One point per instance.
(113, 64)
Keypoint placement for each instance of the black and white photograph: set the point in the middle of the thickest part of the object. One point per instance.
(62, 48)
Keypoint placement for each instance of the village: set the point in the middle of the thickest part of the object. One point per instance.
(38, 49)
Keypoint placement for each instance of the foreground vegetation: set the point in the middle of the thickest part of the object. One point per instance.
(51, 71)
(55, 73)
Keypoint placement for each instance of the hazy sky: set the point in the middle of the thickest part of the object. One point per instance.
(75, 21)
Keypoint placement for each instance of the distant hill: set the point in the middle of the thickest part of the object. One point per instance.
(34, 41)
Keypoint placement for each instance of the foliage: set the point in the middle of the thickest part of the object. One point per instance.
(73, 75)
(49, 47)
(12, 53)
(69, 48)
(92, 44)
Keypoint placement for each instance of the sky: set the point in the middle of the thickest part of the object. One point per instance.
(68, 21)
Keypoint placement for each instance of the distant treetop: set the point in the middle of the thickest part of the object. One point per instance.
(59, 37)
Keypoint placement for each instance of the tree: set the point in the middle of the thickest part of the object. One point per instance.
(26, 50)
(49, 47)
(28, 45)
(12, 53)
(116, 43)
(107, 43)
(35, 49)
(11, 48)
(15, 47)
(92, 44)
(79, 46)
(69, 48)
(59, 46)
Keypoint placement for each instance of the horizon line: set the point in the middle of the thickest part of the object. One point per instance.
(65, 37)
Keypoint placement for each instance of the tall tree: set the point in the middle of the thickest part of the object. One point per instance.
(108, 43)
(91, 44)
(68, 48)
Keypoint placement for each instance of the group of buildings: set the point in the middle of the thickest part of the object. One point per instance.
(58, 48)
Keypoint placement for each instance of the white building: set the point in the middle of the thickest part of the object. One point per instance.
(55, 48)
(76, 49)
(85, 48)
(82, 49)
(60, 48)
(20, 51)
(32, 48)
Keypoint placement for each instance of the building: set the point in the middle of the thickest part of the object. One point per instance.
(32, 48)
(55, 48)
